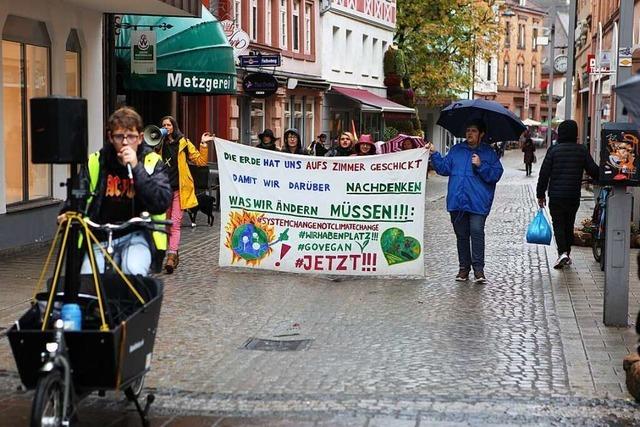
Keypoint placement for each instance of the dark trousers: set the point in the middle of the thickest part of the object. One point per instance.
(469, 229)
(563, 215)
(528, 167)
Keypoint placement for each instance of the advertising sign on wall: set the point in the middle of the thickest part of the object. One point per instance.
(620, 154)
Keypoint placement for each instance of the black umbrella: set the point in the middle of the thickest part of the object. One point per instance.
(629, 93)
(501, 124)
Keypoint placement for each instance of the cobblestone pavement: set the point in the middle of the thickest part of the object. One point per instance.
(521, 349)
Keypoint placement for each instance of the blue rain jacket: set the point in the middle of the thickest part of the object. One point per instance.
(471, 188)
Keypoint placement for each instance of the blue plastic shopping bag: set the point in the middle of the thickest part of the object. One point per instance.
(539, 231)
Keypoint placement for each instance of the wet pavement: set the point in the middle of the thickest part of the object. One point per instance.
(529, 347)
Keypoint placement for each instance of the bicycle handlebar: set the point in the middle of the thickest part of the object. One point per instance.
(139, 221)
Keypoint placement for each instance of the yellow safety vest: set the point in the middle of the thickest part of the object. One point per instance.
(150, 161)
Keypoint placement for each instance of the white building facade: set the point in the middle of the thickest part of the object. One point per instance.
(355, 36)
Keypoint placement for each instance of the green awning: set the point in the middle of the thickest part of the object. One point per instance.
(194, 56)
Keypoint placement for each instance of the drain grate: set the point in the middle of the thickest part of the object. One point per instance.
(276, 345)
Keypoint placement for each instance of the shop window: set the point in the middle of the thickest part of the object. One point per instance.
(287, 114)
(297, 115)
(309, 134)
(25, 69)
(72, 65)
(257, 119)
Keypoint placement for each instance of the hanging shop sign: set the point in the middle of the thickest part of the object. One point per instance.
(238, 39)
(260, 85)
(143, 52)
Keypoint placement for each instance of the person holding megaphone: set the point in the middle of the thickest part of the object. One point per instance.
(175, 150)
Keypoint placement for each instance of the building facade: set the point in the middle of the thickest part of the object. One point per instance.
(355, 36)
(288, 28)
(519, 63)
(594, 100)
(49, 47)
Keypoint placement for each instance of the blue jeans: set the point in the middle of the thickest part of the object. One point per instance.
(131, 252)
(469, 229)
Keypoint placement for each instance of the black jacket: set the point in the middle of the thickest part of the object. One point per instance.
(562, 169)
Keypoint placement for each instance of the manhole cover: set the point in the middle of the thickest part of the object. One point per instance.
(276, 345)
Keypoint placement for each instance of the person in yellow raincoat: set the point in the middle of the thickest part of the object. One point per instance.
(176, 149)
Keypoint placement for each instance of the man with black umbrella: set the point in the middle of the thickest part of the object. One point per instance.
(473, 169)
(561, 176)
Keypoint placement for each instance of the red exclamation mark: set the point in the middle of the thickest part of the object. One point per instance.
(284, 248)
(374, 261)
(365, 262)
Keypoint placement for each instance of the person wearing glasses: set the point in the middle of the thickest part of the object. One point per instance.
(346, 142)
(126, 178)
(175, 150)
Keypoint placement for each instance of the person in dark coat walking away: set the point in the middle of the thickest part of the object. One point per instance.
(529, 149)
(474, 169)
(292, 142)
(561, 176)
(267, 140)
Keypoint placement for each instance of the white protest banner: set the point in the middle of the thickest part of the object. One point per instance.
(342, 215)
(143, 52)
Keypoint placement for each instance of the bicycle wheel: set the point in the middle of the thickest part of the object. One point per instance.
(137, 386)
(46, 410)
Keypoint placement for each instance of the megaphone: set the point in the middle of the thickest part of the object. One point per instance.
(153, 135)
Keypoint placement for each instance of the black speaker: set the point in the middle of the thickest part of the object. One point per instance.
(59, 130)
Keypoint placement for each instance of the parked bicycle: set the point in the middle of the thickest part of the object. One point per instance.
(599, 221)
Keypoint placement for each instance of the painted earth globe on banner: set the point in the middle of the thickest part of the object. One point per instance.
(249, 242)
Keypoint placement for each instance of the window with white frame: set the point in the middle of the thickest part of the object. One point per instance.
(295, 26)
(336, 44)
(283, 24)
(534, 37)
(308, 10)
(348, 64)
(505, 74)
(364, 65)
(257, 119)
(267, 22)
(237, 13)
(253, 24)
(375, 55)
(489, 70)
(533, 76)
(520, 75)
(521, 36)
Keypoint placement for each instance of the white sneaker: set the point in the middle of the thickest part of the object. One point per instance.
(569, 260)
(562, 261)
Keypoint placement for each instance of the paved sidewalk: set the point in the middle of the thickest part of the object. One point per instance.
(527, 348)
